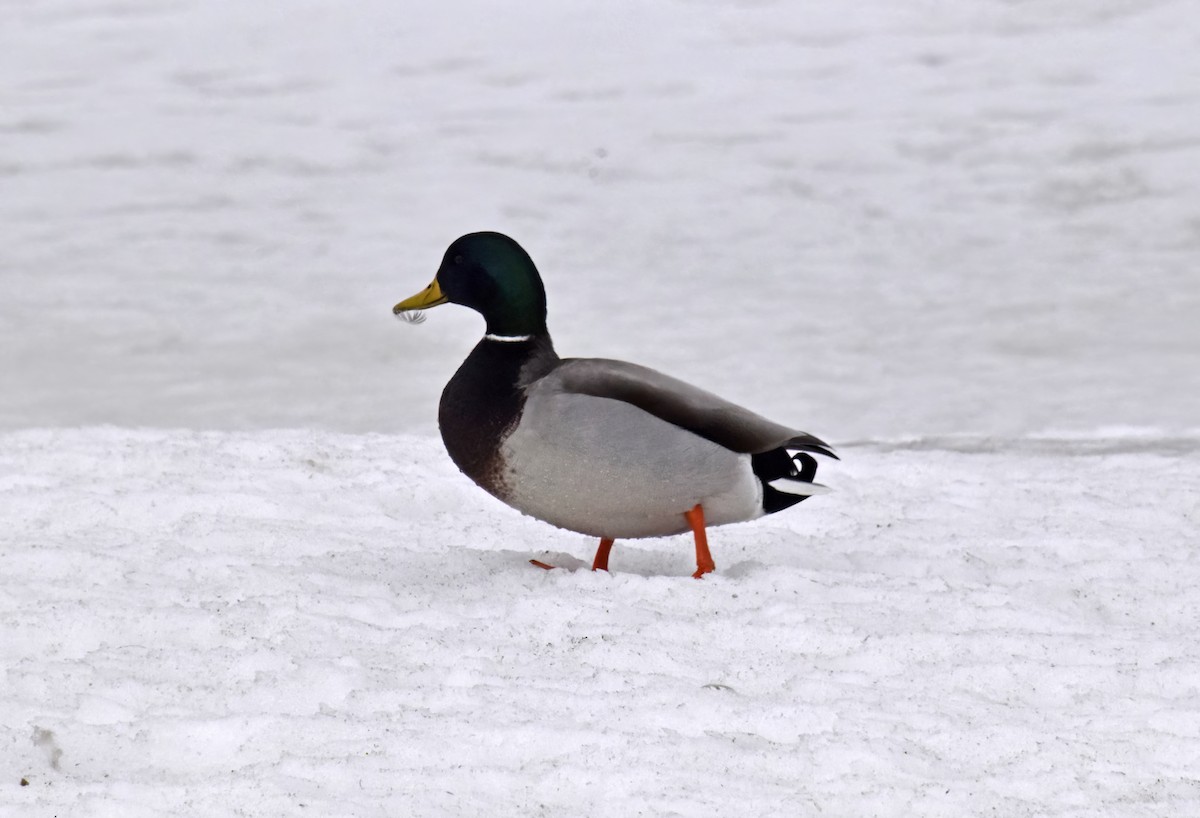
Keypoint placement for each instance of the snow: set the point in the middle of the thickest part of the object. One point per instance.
(217, 623)
(241, 576)
(972, 218)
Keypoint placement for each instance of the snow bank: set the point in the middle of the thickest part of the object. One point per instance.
(287, 623)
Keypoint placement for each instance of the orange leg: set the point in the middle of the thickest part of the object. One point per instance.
(600, 563)
(704, 560)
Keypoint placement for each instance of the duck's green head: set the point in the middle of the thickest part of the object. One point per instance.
(491, 274)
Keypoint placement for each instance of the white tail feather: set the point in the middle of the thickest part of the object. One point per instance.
(801, 489)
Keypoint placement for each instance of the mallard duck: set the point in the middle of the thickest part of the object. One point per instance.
(604, 448)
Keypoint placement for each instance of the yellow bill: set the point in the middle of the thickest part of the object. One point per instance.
(431, 296)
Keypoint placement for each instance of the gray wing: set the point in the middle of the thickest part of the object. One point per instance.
(681, 404)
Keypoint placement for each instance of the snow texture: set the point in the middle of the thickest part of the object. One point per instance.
(933, 218)
(240, 577)
(314, 623)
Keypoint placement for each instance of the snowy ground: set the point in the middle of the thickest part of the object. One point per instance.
(958, 240)
(252, 623)
(209, 206)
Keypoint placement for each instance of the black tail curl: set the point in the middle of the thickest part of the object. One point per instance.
(780, 464)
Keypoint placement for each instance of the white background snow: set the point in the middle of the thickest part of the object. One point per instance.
(960, 241)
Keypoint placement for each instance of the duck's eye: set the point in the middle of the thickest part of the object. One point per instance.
(458, 259)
